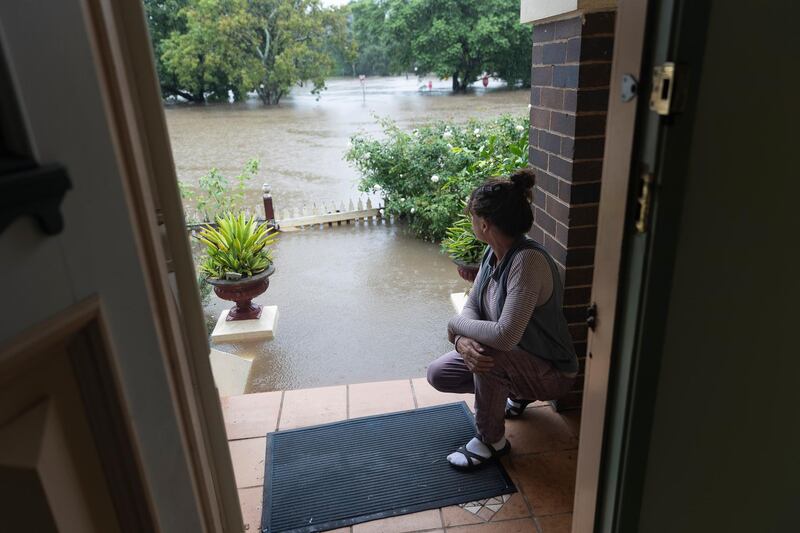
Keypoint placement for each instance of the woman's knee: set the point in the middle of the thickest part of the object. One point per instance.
(435, 375)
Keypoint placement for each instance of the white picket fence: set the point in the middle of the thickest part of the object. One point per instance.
(327, 214)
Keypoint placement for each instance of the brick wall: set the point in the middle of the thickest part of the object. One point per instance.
(569, 101)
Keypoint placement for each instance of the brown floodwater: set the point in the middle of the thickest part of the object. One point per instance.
(356, 303)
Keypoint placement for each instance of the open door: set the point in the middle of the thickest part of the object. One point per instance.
(109, 419)
(659, 48)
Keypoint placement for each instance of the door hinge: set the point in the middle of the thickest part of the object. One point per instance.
(591, 316)
(645, 199)
(663, 87)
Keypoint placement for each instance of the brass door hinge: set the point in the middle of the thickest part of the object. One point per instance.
(663, 88)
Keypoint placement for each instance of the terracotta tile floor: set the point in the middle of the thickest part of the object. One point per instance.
(542, 463)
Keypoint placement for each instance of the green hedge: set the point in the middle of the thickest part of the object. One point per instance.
(425, 175)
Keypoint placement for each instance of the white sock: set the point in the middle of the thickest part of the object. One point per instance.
(477, 447)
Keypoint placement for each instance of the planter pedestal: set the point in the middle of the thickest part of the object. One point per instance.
(262, 328)
(230, 372)
(458, 299)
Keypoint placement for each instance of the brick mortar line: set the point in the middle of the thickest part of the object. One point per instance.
(576, 114)
(582, 160)
(562, 202)
(573, 63)
(597, 88)
(567, 39)
(565, 136)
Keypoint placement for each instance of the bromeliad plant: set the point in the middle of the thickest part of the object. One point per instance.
(239, 247)
(239, 262)
(460, 242)
(464, 249)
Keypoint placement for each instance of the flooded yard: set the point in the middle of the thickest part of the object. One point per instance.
(361, 302)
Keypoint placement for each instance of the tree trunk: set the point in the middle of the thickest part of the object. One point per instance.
(456, 86)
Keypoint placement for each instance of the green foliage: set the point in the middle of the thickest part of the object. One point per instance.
(163, 18)
(217, 194)
(214, 53)
(376, 53)
(460, 242)
(294, 44)
(239, 244)
(205, 290)
(205, 48)
(425, 175)
(461, 38)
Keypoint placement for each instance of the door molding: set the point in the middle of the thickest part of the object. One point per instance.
(121, 46)
(616, 178)
(82, 332)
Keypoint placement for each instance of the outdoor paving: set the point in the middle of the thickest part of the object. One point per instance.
(542, 463)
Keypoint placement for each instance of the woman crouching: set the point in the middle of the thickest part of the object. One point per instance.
(512, 343)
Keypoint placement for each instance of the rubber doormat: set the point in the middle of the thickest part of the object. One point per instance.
(335, 475)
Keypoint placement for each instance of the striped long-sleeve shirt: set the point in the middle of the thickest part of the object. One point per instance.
(530, 282)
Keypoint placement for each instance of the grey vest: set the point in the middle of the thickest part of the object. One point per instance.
(547, 334)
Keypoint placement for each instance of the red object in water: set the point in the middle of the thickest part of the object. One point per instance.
(485, 80)
(430, 85)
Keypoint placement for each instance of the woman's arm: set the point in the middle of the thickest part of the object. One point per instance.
(524, 285)
(470, 310)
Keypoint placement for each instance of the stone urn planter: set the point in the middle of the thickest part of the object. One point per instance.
(242, 292)
(467, 271)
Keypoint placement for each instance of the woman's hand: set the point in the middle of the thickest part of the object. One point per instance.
(474, 355)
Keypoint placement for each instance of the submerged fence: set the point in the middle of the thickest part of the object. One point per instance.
(328, 215)
(324, 214)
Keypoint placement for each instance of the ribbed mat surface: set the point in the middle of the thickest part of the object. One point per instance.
(335, 475)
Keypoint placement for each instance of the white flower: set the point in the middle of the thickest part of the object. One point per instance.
(413, 210)
(519, 127)
(449, 146)
(376, 187)
(402, 199)
(476, 131)
(447, 134)
(367, 155)
(435, 178)
(529, 107)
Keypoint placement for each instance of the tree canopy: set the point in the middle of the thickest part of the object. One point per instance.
(461, 39)
(208, 49)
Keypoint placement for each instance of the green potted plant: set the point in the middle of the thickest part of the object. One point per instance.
(239, 261)
(463, 248)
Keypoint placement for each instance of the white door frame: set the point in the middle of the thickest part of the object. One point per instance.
(629, 41)
(122, 52)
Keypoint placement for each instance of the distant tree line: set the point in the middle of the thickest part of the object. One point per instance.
(208, 49)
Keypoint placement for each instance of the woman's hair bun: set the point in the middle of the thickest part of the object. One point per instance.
(523, 178)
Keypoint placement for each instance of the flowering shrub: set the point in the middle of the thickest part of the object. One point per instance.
(425, 175)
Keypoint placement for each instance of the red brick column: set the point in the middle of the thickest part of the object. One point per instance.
(569, 100)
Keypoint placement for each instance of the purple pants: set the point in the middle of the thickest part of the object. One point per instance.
(515, 374)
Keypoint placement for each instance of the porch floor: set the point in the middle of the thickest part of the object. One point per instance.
(542, 461)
